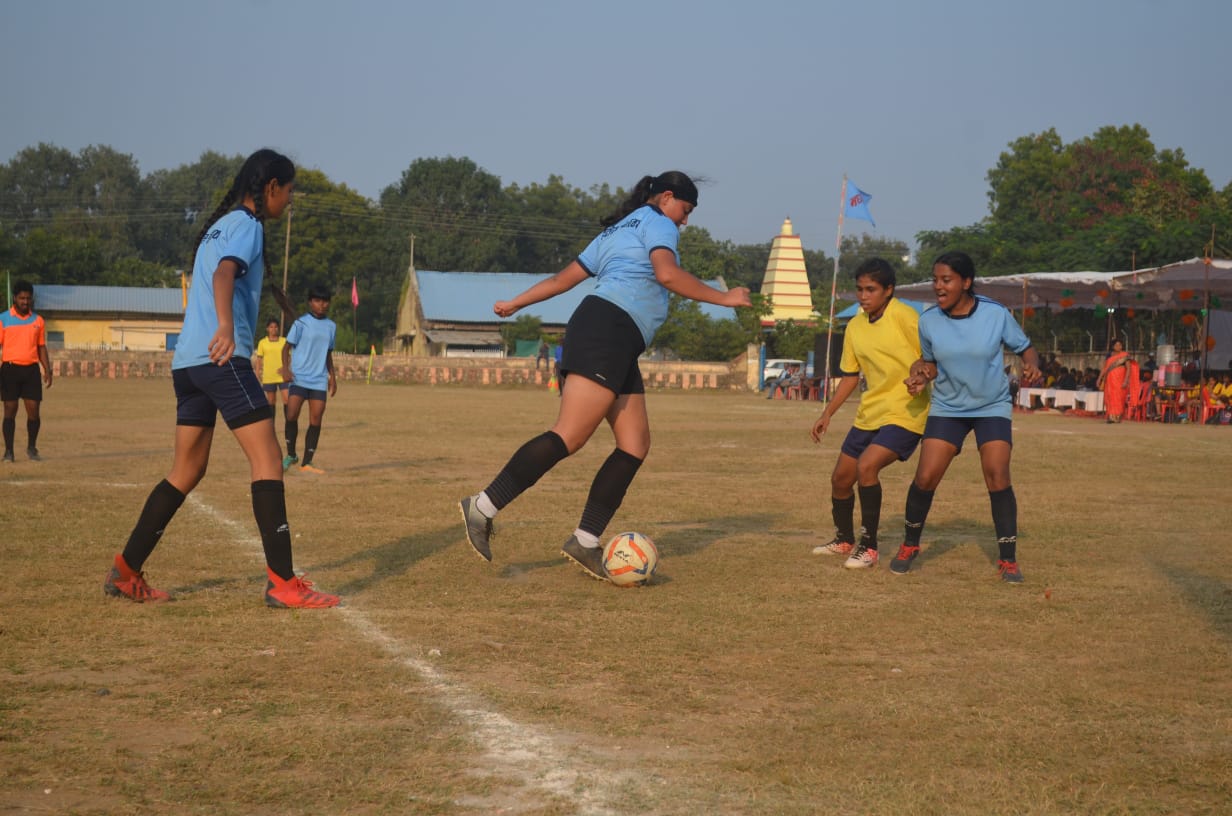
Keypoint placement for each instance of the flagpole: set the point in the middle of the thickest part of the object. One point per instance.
(838, 245)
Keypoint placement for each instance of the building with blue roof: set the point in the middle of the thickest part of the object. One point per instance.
(449, 314)
(134, 318)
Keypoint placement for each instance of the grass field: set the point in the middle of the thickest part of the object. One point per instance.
(751, 678)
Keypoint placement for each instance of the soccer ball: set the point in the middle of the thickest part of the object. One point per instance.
(629, 559)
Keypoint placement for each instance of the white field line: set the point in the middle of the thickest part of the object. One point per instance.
(525, 752)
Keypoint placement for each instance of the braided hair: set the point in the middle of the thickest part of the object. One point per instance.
(648, 187)
(257, 172)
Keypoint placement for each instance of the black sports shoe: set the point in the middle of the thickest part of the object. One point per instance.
(902, 561)
(478, 527)
(33, 455)
(8, 456)
(590, 559)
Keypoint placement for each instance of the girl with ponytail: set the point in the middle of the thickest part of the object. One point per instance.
(212, 374)
(636, 264)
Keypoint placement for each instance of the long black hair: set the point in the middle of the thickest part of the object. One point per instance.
(257, 172)
(648, 187)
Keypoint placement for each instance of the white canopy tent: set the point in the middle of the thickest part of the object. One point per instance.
(1182, 285)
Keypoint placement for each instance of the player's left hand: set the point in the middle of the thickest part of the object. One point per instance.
(738, 297)
(504, 308)
(333, 385)
(221, 347)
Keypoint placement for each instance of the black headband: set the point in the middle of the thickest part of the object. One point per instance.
(659, 186)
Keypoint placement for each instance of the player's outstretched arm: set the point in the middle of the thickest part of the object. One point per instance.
(562, 281)
(675, 279)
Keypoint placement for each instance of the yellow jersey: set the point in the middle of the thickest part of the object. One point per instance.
(883, 351)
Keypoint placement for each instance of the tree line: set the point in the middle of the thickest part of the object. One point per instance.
(91, 217)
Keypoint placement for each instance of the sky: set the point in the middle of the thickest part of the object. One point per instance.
(771, 103)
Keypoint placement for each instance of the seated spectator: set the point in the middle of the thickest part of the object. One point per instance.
(789, 377)
(1066, 380)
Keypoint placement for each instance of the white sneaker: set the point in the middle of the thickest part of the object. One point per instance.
(862, 558)
(835, 547)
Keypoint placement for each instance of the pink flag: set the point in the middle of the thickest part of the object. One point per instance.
(354, 295)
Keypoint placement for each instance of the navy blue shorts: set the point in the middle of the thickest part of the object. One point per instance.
(308, 393)
(602, 343)
(21, 382)
(895, 437)
(270, 388)
(955, 429)
(203, 392)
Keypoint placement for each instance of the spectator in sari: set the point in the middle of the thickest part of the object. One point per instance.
(1119, 373)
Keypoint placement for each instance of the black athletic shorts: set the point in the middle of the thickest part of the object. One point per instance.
(21, 382)
(955, 429)
(602, 343)
(203, 392)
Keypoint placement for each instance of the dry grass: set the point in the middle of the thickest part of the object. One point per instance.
(752, 678)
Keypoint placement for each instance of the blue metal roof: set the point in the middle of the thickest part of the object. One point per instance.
(467, 297)
(145, 300)
(854, 309)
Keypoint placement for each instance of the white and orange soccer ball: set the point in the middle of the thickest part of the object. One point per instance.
(630, 559)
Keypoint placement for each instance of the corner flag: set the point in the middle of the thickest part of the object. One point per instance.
(354, 295)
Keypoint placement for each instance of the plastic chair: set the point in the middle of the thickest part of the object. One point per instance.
(1139, 399)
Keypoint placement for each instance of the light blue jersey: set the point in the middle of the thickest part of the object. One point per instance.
(237, 236)
(971, 380)
(619, 260)
(311, 340)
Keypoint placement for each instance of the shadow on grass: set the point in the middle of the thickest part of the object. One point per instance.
(939, 539)
(1212, 596)
(691, 537)
(393, 558)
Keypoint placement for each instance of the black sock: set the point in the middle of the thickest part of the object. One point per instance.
(269, 507)
(918, 503)
(10, 427)
(526, 467)
(1005, 522)
(164, 500)
(310, 442)
(32, 429)
(843, 512)
(607, 491)
(870, 512)
(292, 434)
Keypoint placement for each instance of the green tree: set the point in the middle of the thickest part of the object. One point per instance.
(524, 327)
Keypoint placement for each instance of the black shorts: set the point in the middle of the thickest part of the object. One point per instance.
(270, 388)
(602, 343)
(203, 392)
(309, 393)
(955, 429)
(893, 437)
(21, 382)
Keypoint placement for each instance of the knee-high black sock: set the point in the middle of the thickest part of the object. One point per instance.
(269, 507)
(526, 467)
(292, 435)
(870, 512)
(918, 503)
(310, 442)
(10, 427)
(32, 429)
(843, 512)
(607, 491)
(1005, 522)
(164, 500)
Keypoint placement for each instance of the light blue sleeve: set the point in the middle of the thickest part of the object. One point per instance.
(661, 232)
(926, 343)
(295, 333)
(589, 259)
(1013, 336)
(243, 243)
(333, 334)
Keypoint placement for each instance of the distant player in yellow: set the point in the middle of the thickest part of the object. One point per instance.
(881, 343)
(270, 352)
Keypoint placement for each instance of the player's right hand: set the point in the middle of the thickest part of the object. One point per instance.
(221, 347)
(820, 427)
(504, 308)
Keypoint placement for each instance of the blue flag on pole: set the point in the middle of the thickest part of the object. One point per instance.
(857, 204)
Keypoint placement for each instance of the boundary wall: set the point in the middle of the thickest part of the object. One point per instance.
(442, 371)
